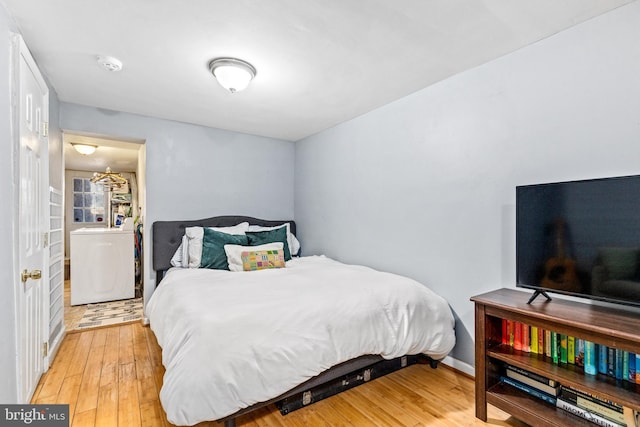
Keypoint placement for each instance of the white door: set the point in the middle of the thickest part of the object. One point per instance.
(32, 106)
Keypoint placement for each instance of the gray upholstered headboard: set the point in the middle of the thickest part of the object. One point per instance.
(167, 235)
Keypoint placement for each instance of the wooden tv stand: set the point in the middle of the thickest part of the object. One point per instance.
(613, 327)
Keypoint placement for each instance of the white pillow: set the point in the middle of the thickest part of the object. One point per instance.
(181, 257)
(234, 253)
(294, 244)
(196, 234)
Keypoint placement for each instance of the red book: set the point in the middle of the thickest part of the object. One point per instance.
(505, 332)
(511, 329)
(526, 338)
(517, 336)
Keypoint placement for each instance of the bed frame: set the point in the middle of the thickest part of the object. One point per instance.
(166, 238)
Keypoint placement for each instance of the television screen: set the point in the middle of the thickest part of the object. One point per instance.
(580, 238)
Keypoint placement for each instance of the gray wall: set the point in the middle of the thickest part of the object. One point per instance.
(8, 253)
(196, 172)
(425, 186)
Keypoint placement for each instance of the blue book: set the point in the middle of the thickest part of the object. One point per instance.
(632, 367)
(625, 365)
(528, 389)
(611, 362)
(619, 364)
(602, 359)
(590, 358)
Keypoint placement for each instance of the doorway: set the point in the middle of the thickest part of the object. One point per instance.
(104, 195)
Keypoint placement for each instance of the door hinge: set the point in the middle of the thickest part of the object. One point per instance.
(45, 129)
(45, 239)
(45, 349)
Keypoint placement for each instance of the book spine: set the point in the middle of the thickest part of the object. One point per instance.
(572, 394)
(625, 365)
(638, 368)
(517, 336)
(528, 389)
(590, 358)
(526, 338)
(533, 376)
(632, 367)
(553, 391)
(583, 413)
(505, 333)
(563, 348)
(541, 333)
(619, 363)
(611, 362)
(580, 345)
(547, 343)
(534, 339)
(511, 328)
(602, 359)
(554, 347)
(571, 350)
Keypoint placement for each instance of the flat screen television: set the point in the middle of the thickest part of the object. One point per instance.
(580, 238)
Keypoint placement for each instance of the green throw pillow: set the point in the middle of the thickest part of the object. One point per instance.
(278, 235)
(213, 254)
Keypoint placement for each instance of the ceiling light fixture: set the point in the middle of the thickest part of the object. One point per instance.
(232, 74)
(84, 149)
(110, 63)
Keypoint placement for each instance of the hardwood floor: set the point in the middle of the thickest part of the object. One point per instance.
(111, 377)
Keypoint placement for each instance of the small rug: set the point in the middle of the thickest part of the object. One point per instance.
(111, 313)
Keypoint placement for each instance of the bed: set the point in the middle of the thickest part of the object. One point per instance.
(234, 341)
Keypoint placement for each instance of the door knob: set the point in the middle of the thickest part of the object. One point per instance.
(35, 275)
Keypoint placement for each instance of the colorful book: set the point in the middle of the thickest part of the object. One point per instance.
(603, 362)
(534, 339)
(541, 333)
(517, 336)
(505, 333)
(625, 365)
(511, 328)
(638, 368)
(547, 343)
(611, 362)
(555, 354)
(590, 359)
(530, 390)
(571, 350)
(526, 338)
(563, 348)
(579, 359)
(587, 415)
(619, 363)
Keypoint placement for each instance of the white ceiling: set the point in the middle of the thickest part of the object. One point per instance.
(319, 62)
(119, 155)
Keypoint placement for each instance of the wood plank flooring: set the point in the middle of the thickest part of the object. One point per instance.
(112, 376)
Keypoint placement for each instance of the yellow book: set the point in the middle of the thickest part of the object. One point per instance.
(534, 339)
(571, 350)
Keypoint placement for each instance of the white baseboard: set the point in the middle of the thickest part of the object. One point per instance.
(460, 366)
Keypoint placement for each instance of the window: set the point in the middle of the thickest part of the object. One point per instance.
(88, 201)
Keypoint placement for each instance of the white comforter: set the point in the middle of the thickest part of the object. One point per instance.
(230, 340)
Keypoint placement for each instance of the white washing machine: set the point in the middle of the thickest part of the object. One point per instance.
(102, 265)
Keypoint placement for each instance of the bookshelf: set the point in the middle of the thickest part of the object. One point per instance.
(617, 327)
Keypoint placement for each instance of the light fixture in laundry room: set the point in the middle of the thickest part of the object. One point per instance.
(84, 149)
(109, 63)
(232, 74)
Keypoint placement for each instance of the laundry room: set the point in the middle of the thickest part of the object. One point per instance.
(103, 228)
